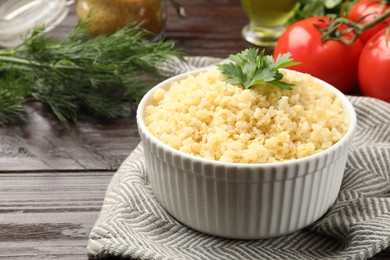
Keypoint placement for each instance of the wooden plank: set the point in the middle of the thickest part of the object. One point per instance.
(50, 214)
(21, 194)
(43, 144)
(210, 29)
(33, 249)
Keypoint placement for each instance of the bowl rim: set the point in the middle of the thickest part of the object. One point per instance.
(349, 112)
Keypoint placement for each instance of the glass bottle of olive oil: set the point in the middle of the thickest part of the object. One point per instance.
(266, 20)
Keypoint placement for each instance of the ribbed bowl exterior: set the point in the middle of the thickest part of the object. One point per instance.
(246, 201)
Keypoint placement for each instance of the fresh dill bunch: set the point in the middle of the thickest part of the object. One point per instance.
(13, 93)
(80, 74)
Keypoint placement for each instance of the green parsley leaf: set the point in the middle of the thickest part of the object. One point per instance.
(248, 69)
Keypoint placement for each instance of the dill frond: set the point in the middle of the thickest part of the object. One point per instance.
(79, 74)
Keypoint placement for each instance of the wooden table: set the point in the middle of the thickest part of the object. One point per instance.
(53, 180)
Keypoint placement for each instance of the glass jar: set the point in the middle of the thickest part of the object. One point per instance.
(18, 18)
(107, 16)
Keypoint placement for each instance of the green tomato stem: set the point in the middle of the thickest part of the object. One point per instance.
(332, 32)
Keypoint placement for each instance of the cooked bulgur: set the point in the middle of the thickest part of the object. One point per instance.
(204, 116)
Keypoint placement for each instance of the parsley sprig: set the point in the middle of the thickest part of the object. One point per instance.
(248, 69)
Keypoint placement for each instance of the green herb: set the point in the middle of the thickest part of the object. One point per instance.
(309, 8)
(80, 74)
(248, 69)
(13, 91)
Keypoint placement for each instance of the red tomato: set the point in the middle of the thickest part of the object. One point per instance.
(369, 9)
(331, 61)
(374, 67)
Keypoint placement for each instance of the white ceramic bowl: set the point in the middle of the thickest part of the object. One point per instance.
(246, 201)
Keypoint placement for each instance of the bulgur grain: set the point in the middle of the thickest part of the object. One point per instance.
(204, 116)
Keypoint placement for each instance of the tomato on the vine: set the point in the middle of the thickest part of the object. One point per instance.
(374, 67)
(366, 11)
(332, 61)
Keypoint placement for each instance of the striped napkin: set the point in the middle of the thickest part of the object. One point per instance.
(133, 225)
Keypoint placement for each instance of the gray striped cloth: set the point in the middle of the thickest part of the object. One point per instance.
(133, 225)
